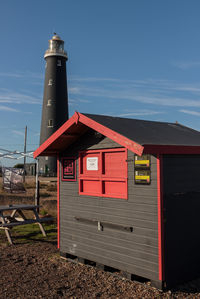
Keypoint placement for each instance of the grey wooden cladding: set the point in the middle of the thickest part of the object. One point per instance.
(141, 236)
(107, 258)
(130, 252)
(136, 251)
(121, 220)
(134, 241)
(119, 204)
(109, 211)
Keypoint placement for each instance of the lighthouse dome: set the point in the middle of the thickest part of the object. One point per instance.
(56, 37)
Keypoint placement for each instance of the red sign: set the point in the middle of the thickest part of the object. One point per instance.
(68, 169)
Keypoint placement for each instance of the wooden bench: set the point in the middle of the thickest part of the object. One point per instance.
(29, 221)
(7, 222)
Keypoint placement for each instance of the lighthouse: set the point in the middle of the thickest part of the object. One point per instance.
(55, 99)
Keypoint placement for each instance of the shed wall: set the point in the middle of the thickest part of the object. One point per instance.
(135, 252)
(181, 194)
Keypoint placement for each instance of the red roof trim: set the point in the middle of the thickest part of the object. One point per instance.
(58, 133)
(122, 140)
(78, 117)
(171, 149)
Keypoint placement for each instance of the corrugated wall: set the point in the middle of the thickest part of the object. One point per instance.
(135, 252)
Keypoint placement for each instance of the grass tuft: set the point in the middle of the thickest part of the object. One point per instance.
(30, 233)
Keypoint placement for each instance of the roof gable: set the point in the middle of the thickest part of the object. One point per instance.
(76, 126)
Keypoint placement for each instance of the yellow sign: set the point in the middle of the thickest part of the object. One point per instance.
(142, 176)
(142, 163)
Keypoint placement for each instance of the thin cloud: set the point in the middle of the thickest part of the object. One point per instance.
(150, 91)
(25, 74)
(190, 112)
(18, 98)
(19, 133)
(72, 100)
(154, 85)
(187, 64)
(140, 113)
(5, 108)
(134, 95)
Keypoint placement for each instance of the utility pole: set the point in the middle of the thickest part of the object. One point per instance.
(25, 138)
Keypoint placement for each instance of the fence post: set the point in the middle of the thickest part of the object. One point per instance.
(37, 188)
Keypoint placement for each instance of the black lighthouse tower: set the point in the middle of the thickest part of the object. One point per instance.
(55, 99)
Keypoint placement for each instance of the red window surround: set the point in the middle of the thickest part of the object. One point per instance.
(103, 173)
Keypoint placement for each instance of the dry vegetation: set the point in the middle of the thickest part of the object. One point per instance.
(48, 194)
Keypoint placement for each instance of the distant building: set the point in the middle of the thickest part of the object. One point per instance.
(30, 169)
(55, 99)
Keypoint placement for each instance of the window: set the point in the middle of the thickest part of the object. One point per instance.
(50, 123)
(50, 82)
(103, 173)
(59, 62)
(49, 102)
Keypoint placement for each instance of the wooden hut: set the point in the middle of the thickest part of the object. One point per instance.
(129, 195)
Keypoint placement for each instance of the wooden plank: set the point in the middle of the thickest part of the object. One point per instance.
(112, 261)
(134, 222)
(137, 197)
(39, 223)
(139, 235)
(116, 205)
(134, 242)
(100, 242)
(18, 212)
(15, 207)
(25, 222)
(103, 251)
(128, 213)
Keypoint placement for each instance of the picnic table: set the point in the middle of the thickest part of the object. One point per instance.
(8, 221)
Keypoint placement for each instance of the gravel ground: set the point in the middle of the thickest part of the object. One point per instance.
(35, 270)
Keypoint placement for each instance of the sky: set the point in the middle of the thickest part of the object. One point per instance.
(128, 58)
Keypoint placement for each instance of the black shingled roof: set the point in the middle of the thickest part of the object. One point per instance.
(150, 132)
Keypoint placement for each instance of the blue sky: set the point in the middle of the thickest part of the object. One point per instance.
(129, 58)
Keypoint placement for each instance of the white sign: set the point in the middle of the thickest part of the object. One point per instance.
(92, 163)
